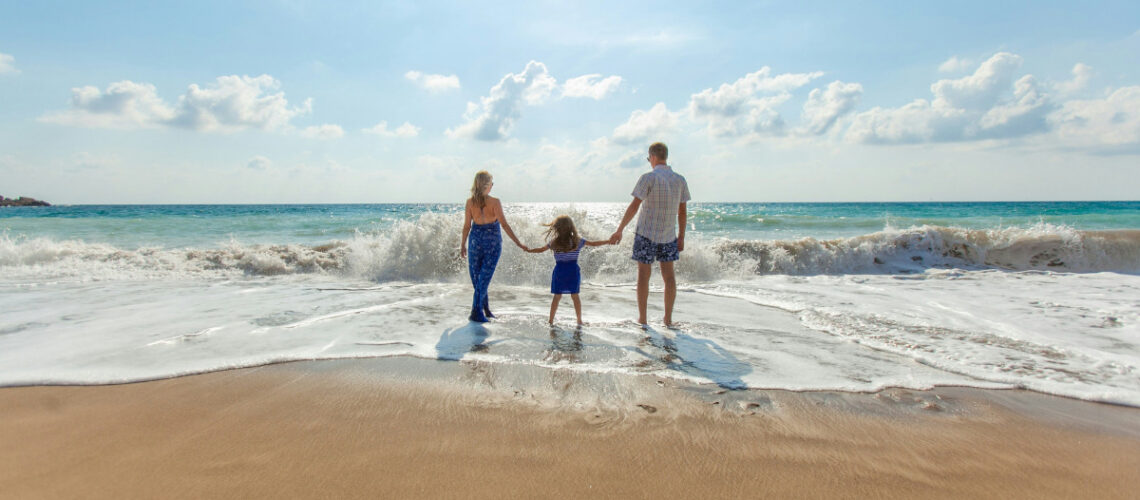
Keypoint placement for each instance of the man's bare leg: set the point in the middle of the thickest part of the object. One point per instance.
(670, 290)
(643, 272)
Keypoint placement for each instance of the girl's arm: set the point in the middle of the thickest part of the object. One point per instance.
(507, 227)
(597, 243)
(466, 230)
(537, 250)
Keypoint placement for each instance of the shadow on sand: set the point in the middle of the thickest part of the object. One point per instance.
(698, 357)
(455, 342)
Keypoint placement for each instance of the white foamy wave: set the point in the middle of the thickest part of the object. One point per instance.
(427, 250)
(1041, 247)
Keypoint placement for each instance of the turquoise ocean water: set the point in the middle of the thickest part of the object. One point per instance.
(133, 226)
(798, 296)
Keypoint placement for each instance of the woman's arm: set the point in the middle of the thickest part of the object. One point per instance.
(466, 230)
(506, 226)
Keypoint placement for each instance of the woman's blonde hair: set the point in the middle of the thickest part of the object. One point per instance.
(562, 235)
(479, 188)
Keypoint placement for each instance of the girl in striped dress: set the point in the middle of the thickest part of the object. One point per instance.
(562, 239)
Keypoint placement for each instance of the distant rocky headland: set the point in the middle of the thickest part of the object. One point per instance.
(22, 201)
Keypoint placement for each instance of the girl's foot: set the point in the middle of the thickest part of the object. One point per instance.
(478, 317)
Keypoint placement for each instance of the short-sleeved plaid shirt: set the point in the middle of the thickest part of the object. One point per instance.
(661, 192)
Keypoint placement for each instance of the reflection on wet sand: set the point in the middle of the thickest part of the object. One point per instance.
(565, 345)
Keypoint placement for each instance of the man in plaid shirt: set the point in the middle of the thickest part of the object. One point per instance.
(661, 194)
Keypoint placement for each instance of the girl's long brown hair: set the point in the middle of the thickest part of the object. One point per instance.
(478, 188)
(562, 234)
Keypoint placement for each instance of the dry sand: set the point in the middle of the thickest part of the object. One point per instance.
(414, 428)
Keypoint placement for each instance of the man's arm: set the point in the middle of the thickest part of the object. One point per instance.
(682, 218)
(629, 213)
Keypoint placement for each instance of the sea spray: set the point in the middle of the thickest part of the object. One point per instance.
(427, 250)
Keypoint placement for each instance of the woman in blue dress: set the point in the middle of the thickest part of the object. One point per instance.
(481, 221)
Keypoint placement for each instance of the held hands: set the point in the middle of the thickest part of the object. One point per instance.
(616, 238)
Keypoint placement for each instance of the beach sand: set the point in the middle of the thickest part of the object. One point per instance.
(402, 427)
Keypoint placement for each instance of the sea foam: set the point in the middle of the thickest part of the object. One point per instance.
(427, 250)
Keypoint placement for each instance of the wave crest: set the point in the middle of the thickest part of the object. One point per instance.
(427, 249)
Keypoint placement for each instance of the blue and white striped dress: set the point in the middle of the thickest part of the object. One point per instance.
(567, 276)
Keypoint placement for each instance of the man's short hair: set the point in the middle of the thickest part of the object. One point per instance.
(659, 150)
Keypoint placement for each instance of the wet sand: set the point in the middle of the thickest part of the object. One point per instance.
(401, 427)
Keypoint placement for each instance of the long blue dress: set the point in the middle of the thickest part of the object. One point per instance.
(484, 245)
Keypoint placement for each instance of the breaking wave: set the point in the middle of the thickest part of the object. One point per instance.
(426, 250)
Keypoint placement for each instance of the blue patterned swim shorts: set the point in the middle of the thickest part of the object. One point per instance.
(646, 251)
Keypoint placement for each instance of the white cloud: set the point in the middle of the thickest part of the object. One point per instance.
(955, 65)
(1023, 115)
(585, 86)
(230, 103)
(433, 83)
(642, 126)
(735, 109)
(259, 163)
(824, 107)
(1112, 121)
(493, 117)
(918, 121)
(1082, 73)
(6, 64)
(326, 131)
(123, 105)
(978, 106)
(381, 129)
(981, 89)
(236, 103)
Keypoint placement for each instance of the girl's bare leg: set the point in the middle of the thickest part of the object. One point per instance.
(554, 306)
(577, 307)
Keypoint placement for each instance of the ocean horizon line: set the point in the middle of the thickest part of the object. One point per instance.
(864, 202)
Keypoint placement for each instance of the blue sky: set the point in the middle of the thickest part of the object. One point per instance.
(296, 101)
